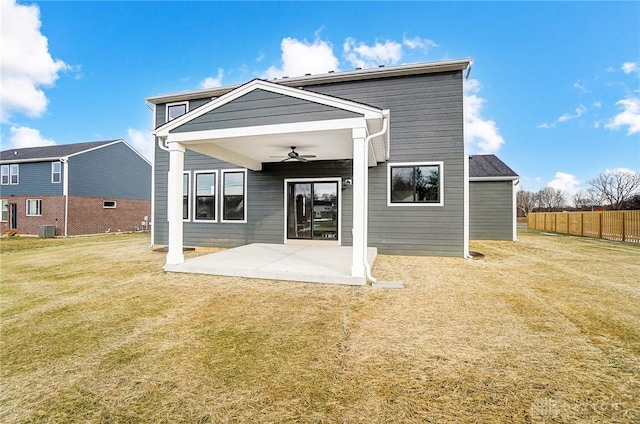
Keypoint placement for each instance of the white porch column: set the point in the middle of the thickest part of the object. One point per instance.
(174, 203)
(359, 202)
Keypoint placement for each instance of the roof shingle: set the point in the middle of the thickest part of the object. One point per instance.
(48, 152)
(483, 166)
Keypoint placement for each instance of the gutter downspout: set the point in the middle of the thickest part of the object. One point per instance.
(65, 192)
(367, 140)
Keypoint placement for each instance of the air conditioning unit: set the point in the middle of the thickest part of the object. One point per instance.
(46, 231)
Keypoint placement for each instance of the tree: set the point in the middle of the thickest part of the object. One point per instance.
(585, 199)
(551, 199)
(526, 201)
(616, 187)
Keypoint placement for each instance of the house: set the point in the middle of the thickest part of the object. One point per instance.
(362, 158)
(492, 199)
(82, 188)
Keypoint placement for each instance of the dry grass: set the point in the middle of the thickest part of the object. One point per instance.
(544, 330)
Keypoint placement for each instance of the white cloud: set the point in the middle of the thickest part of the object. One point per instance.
(22, 137)
(360, 55)
(580, 110)
(565, 182)
(419, 43)
(629, 67)
(611, 69)
(630, 116)
(544, 125)
(26, 64)
(301, 57)
(597, 104)
(481, 135)
(142, 141)
(578, 86)
(212, 82)
(596, 124)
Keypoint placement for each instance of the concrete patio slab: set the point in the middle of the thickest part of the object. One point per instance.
(290, 262)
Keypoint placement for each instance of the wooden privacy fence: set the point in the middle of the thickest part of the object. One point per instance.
(610, 225)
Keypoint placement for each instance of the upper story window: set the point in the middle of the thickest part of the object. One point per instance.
(4, 174)
(56, 172)
(176, 109)
(415, 184)
(234, 190)
(14, 171)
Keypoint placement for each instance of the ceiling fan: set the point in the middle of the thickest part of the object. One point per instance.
(295, 155)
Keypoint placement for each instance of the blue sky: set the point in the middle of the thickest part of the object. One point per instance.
(554, 90)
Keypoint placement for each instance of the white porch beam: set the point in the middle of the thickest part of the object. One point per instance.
(174, 203)
(226, 155)
(360, 169)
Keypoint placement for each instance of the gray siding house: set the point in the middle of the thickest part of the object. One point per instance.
(371, 157)
(492, 199)
(81, 188)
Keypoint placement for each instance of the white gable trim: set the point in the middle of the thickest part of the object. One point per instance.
(367, 111)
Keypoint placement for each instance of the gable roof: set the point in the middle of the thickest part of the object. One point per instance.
(31, 154)
(489, 167)
(258, 84)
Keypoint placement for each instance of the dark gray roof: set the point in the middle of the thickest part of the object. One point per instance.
(489, 166)
(48, 152)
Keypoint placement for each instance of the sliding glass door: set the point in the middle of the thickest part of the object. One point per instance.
(312, 210)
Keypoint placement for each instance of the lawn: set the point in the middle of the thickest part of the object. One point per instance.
(543, 330)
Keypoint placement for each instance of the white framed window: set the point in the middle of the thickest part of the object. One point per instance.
(109, 204)
(14, 174)
(234, 195)
(205, 191)
(186, 204)
(415, 184)
(4, 174)
(176, 109)
(56, 172)
(4, 210)
(34, 207)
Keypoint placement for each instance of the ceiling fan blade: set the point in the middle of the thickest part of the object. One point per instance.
(302, 159)
(306, 156)
(285, 160)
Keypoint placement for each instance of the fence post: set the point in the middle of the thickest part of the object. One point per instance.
(623, 227)
(599, 225)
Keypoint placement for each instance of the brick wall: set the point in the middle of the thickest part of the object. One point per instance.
(87, 215)
(52, 214)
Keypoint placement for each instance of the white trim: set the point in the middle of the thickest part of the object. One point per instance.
(293, 127)
(465, 207)
(151, 220)
(168, 105)
(440, 164)
(17, 174)
(104, 204)
(2, 174)
(59, 172)
(348, 105)
(6, 203)
(515, 209)
(493, 178)
(245, 203)
(188, 193)
(26, 204)
(65, 192)
(216, 184)
(338, 180)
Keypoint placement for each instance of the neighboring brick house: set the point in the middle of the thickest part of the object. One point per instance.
(81, 188)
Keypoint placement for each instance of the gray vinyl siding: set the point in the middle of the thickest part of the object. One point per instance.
(34, 179)
(491, 210)
(262, 107)
(264, 201)
(426, 125)
(113, 171)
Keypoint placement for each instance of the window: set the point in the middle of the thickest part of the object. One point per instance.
(109, 204)
(34, 207)
(4, 210)
(205, 195)
(4, 174)
(415, 184)
(234, 187)
(176, 109)
(56, 172)
(185, 196)
(14, 171)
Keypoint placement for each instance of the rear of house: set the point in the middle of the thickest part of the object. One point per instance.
(80, 188)
(382, 162)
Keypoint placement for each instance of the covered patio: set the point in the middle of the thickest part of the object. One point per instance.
(250, 126)
(289, 262)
